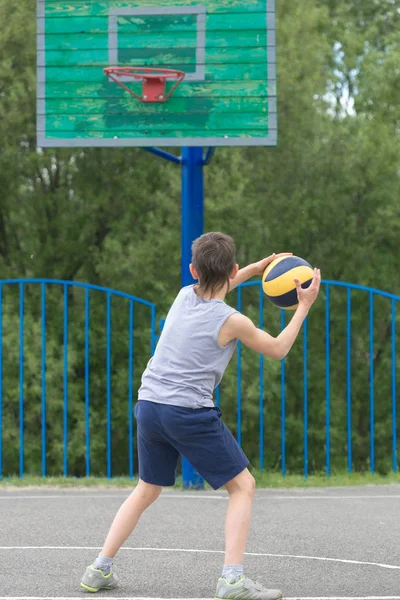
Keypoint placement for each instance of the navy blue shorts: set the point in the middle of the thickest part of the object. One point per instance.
(164, 432)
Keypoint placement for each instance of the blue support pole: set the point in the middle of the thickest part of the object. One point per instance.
(192, 228)
(192, 205)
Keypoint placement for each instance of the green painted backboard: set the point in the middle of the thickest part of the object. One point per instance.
(225, 47)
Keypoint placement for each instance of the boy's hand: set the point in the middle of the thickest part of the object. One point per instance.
(308, 297)
(261, 265)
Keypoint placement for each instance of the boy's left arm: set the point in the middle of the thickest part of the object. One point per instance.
(254, 269)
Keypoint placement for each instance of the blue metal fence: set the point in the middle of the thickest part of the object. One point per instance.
(250, 299)
(65, 287)
(387, 316)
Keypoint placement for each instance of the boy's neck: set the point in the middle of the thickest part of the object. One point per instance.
(205, 295)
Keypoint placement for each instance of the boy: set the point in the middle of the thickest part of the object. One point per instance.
(176, 414)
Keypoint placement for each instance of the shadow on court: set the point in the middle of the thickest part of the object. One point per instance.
(330, 543)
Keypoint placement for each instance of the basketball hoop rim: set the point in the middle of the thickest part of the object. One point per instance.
(140, 73)
(154, 81)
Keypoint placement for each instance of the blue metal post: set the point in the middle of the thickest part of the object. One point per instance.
(130, 388)
(87, 380)
(348, 384)
(305, 396)
(21, 380)
(239, 376)
(218, 396)
(192, 205)
(44, 407)
(328, 380)
(283, 405)
(1, 382)
(108, 405)
(261, 378)
(65, 412)
(371, 384)
(394, 395)
(192, 228)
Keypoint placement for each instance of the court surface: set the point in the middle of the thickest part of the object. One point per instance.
(312, 543)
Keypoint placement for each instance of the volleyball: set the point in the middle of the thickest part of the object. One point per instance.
(278, 280)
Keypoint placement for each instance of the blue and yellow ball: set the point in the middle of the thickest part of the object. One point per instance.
(278, 280)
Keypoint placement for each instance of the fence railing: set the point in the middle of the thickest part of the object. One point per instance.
(41, 316)
(364, 322)
(71, 356)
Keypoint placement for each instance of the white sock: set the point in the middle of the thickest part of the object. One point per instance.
(232, 572)
(104, 563)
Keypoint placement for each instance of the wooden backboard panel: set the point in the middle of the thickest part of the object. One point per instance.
(226, 48)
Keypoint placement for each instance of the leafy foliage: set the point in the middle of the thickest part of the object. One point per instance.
(328, 192)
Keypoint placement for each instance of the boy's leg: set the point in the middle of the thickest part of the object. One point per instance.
(233, 584)
(241, 493)
(100, 575)
(201, 436)
(128, 516)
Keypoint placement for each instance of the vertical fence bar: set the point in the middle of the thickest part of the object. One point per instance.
(218, 396)
(65, 381)
(394, 412)
(283, 405)
(371, 382)
(130, 388)
(239, 376)
(328, 380)
(348, 383)
(87, 381)
(108, 367)
(153, 330)
(21, 379)
(44, 407)
(261, 377)
(305, 396)
(1, 381)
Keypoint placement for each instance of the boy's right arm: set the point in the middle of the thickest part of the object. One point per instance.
(240, 327)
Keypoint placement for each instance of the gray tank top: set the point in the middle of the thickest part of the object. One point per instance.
(189, 363)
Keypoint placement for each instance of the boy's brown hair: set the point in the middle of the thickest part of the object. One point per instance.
(214, 258)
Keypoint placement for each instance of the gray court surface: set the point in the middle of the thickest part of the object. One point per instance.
(313, 543)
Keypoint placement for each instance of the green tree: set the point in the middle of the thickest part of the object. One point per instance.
(328, 192)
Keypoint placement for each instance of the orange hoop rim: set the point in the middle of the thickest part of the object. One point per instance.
(146, 75)
(144, 72)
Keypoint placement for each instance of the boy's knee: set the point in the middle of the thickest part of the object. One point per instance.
(147, 491)
(249, 485)
(244, 483)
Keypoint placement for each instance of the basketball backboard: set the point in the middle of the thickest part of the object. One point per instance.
(226, 49)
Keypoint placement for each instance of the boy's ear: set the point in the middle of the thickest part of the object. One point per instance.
(193, 271)
(234, 272)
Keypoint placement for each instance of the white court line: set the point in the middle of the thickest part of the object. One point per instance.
(192, 550)
(95, 496)
(195, 497)
(147, 598)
